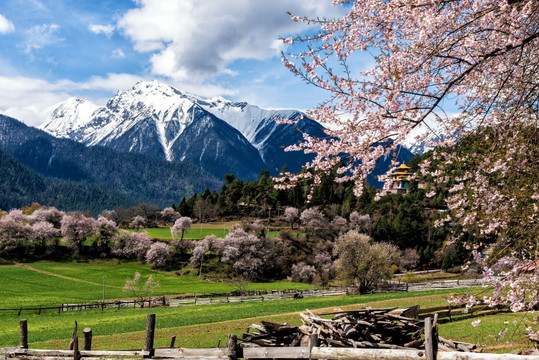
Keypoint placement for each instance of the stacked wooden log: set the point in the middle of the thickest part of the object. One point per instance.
(385, 328)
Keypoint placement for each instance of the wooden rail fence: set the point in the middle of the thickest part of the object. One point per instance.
(390, 286)
(187, 300)
(235, 351)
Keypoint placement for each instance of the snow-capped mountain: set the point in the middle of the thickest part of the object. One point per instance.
(260, 128)
(156, 119)
(70, 116)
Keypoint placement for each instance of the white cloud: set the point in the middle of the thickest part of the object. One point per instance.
(28, 99)
(32, 100)
(6, 26)
(102, 29)
(197, 39)
(118, 54)
(40, 36)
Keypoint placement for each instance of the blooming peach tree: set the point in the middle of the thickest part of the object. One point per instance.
(437, 71)
(180, 226)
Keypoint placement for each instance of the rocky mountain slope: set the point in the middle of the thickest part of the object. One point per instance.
(158, 120)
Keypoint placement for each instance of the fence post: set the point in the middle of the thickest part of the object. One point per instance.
(24, 334)
(428, 339)
(150, 332)
(76, 353)
(172, 341)
(232, 347)
(431, 337)
(87, 345)
(435, 336)
(72, 342)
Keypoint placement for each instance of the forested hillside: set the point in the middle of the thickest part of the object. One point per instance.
(20, 187)
(134, 176)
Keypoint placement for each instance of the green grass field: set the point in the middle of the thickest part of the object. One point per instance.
(206, 325)
(197, 232)
(53, 283)
(51, 326)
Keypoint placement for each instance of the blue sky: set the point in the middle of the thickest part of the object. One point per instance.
(53, 49)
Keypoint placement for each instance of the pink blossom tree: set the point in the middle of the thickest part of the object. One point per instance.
(181, 225)
(325, 265)
(360, 222)
(158, 254)
(256, 227)
(291, 215)
(76, 228)
(169, 214)
(198, 255)
(14, 232)
(130, 245)
(51, 215)
(313, 220)
(17, 215)
(339, 224)
(246, 251)
(441, 71)
(302, 272)
(43, 231)
(139, 222)
(479, 54)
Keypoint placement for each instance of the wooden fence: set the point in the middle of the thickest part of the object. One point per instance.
(183, 300)
(187, 300)
(234, 351)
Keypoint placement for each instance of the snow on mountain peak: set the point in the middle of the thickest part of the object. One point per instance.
(151, 117)
(69, 116)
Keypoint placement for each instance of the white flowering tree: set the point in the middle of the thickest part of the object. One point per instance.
(362, 262)
(180, 226)
(158, 254)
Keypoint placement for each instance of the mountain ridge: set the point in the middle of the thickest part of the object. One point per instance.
(151, 118)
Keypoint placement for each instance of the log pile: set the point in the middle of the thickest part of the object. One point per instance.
(385, 328)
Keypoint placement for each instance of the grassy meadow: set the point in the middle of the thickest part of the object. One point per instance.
(206, 325)
(51, 326)
(50, 283)
(198, 231)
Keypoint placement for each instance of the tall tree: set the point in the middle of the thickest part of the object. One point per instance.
(362, 262)
(181, 225)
